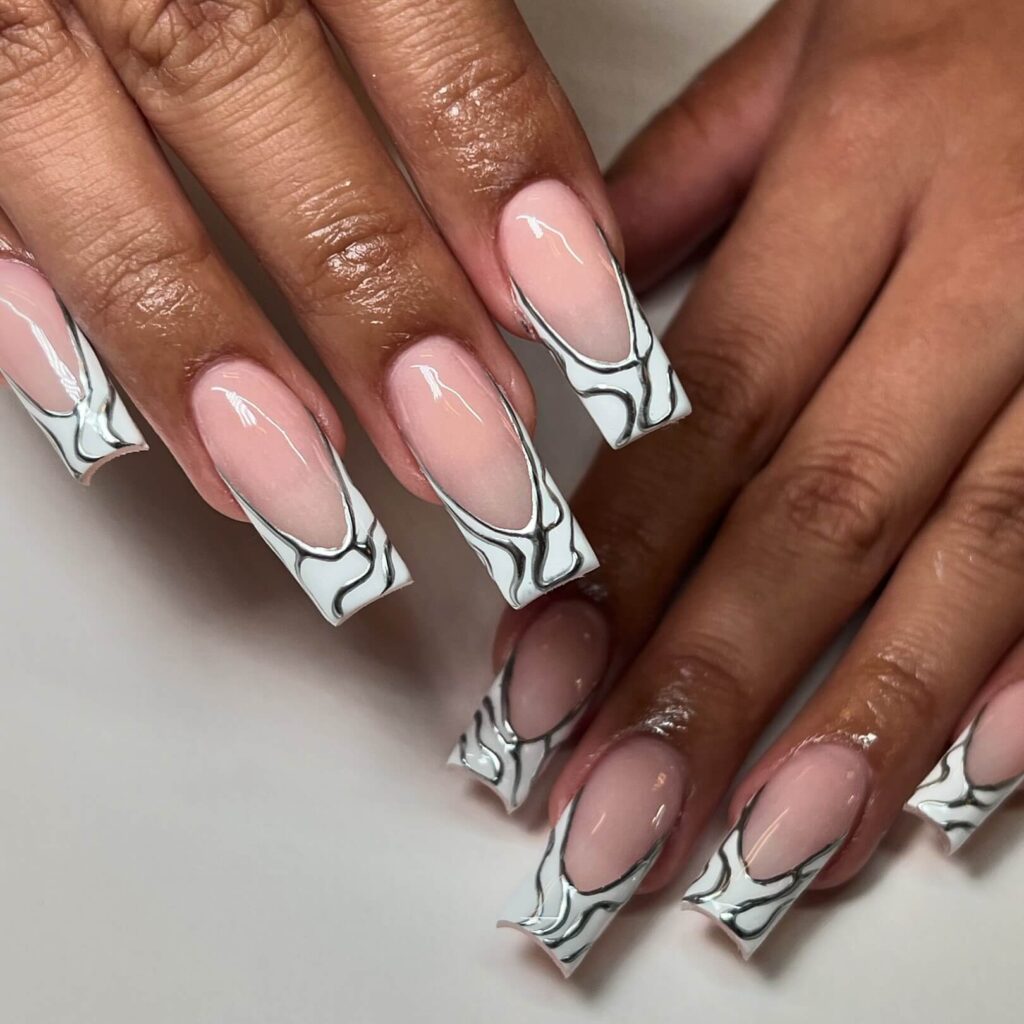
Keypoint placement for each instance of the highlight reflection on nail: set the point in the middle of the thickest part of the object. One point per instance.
(575, 298)
(478, 457)
(602, 848)
(785, 837)
(978, 773)
(291, 484)
(539, 698)
(54, 372)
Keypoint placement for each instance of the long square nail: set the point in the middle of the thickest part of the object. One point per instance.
(290, 482)
(785, 837)
(574, 296)
(55, 374)
(602, 848)
(477, 455)
(978, 773)
(537, 701)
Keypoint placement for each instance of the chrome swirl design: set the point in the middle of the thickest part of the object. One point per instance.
(495, 753)
(341, 580)
(948, 799)
(748, 908)
(626, 399)
(98, 427)
(529, 562)
(563, 920)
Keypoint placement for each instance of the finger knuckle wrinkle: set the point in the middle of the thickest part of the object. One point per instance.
(988, 513)
(36, 48)
(902, 687)
(199, 46)
(355, 251)
(838, 497)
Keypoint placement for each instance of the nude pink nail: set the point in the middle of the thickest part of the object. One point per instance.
(786, 836)
(537, 701)
(54, 371)
(478, 456)
(574, 297)
(602, 848)
(812, 800)
(290, 482)
(978, 773)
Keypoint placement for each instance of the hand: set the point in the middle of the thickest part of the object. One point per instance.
(394, 298)
(854, 353)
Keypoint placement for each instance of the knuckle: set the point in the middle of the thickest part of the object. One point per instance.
(356, 249)
(196, 47)
(149, 279)
(37, 51)
(733, 391)
(986, 514)
(902, 687)
(835, 497)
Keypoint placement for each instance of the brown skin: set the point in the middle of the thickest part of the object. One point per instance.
(249, 95)
(853, 354)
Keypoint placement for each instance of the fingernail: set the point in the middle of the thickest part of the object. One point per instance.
(603, 846)
(977, 773)
(290, 482)
(574, 296)
(537, 701)
(785, 837)
(55, 373)
(479, 458)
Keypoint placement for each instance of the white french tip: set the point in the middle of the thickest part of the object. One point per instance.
(627, 399)
(949, 801)
(339, 581)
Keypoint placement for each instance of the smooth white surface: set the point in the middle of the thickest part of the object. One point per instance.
(214, 809)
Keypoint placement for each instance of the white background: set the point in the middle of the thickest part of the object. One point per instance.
(214, 809)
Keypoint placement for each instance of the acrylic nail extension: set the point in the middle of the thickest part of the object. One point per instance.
(54, 372)
(785, 837)
(602, 848)
(574, 297)
(477, 455)
(290, 482)
(978, 773)
(539, 698)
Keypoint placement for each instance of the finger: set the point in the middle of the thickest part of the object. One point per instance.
(84, 182)
(756, 333)
(815, 806)
(685, 174)
(279, 141)
(503, 165)
(53, 369)
(985, 765)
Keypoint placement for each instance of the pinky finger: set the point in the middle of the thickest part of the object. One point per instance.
(985, 765)
(53, 371)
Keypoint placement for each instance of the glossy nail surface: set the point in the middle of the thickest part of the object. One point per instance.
(290, 482)
(978, 773)
(54, 372)
(602, 848)
(785, 837)
(479, 458)
(537, 700)
(575, 298)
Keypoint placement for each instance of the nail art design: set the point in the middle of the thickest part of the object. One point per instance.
(564, 920)
(626, 399)
(92, 423)
(538, 699)
(549, 551)
(291, 484)
(949, 799)
(746, 907)
(338, 580)
(574, 296)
